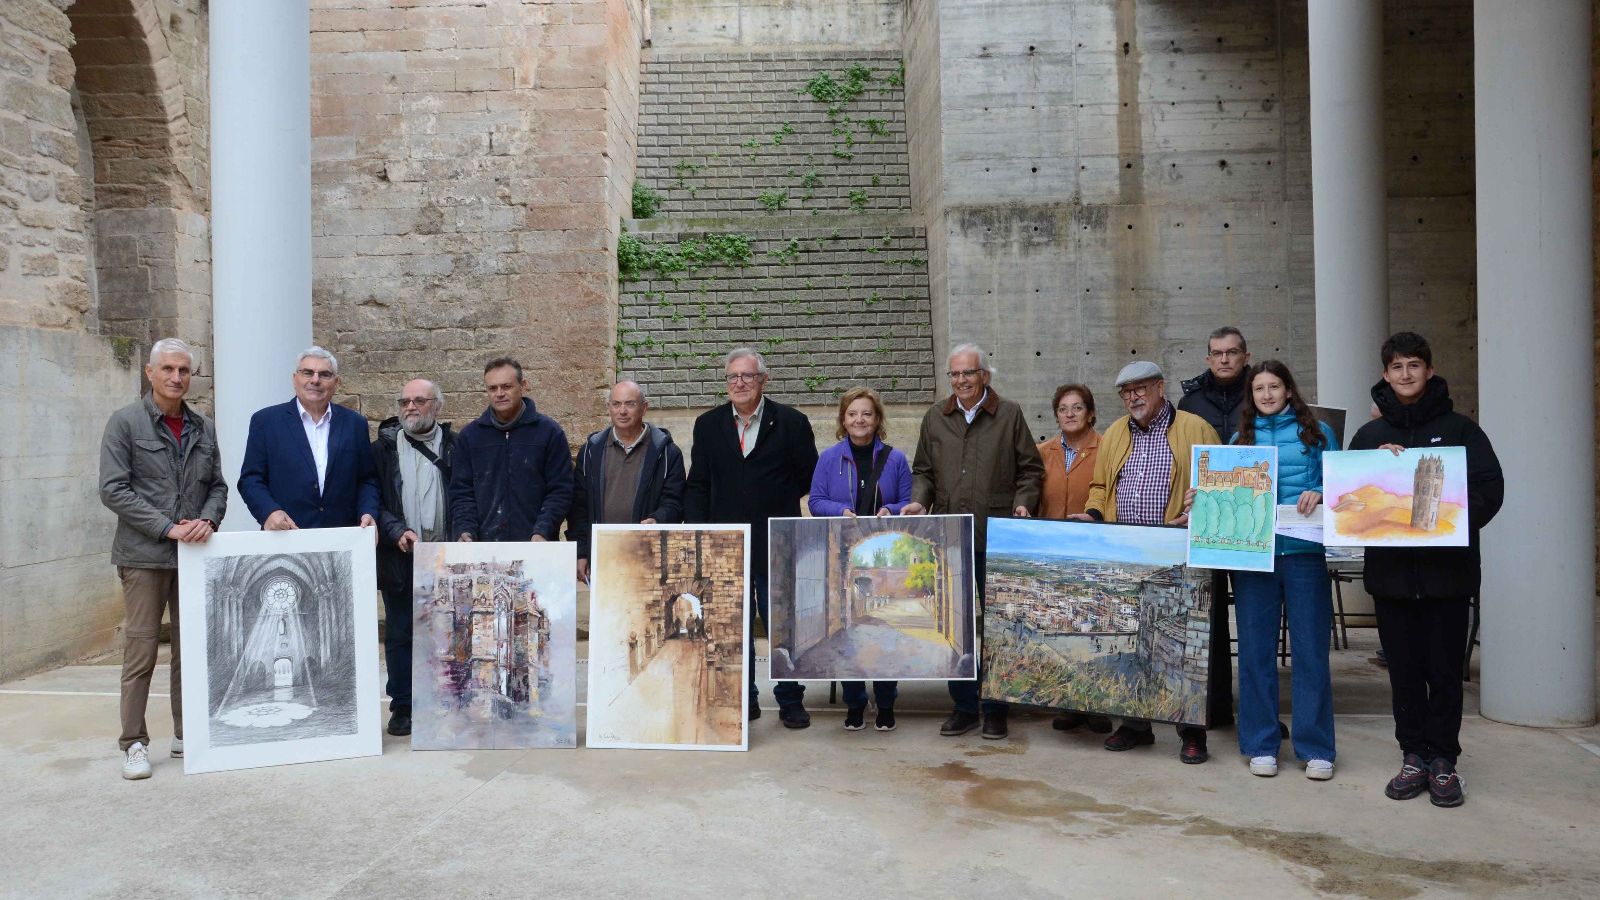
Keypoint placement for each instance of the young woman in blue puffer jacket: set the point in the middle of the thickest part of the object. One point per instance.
(1276, 415)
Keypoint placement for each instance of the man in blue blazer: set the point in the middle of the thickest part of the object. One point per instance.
(308, 463)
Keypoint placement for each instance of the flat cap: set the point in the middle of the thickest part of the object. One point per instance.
(1140, 370)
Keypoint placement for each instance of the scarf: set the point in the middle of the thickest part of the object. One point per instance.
(421, 494)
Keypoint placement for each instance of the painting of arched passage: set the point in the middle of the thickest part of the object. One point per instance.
(279, 646)
(494, 653)
(875, 597)
(1096, 618)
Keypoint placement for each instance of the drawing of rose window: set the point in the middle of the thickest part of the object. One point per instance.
(271, 686)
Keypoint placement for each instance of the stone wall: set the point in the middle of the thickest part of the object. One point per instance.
(103, 246)
(466, 194)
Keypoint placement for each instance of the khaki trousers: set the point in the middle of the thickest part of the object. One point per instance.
(146, 593)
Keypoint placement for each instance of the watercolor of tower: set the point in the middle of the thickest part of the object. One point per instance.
(1426, 493)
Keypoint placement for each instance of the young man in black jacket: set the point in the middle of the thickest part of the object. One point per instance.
(412, 452)
(752, 460)
(1423, 595)
(627, 473)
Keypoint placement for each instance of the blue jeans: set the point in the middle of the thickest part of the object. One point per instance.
(787, 693)
(855, 693)
(1300, 587)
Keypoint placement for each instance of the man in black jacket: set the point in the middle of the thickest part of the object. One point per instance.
(1217, 394)
(413, 452)
(630, 472)
(752, 460)
(1423, 595)
(511, 479)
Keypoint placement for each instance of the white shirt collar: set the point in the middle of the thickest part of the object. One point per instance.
(973, 412)
(305, 414)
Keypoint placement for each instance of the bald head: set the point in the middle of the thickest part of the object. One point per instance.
(419, 404)
(627, 406)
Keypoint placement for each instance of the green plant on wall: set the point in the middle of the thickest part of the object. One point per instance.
(772, 201)
(858, 200)
(645, 201)
(637, 260)
(782, 133)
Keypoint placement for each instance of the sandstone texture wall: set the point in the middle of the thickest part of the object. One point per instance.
(103, 246)
(467, 186)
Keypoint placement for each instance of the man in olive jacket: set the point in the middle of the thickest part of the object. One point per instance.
(161, 474)
(975, 455)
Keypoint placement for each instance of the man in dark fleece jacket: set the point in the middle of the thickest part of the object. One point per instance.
(1422, 595)
(511, 479)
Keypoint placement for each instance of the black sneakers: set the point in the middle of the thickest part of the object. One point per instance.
(1413, 779)
(1444, 785)
(885, 719)
(958, 723)
(794, 716)
(855, 718)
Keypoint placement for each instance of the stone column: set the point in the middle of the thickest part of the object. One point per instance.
(1349, 228)
(1536, 347)
(260, 213)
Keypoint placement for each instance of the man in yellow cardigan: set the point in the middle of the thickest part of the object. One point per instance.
(1141, 477)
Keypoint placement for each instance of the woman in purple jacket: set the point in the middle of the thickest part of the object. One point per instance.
(842, 485)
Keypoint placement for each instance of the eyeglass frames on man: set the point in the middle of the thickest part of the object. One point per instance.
(309, 374)
(744, 377)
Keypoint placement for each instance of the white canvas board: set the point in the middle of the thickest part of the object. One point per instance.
(669, 657)
(1292, 524)
(280, 648)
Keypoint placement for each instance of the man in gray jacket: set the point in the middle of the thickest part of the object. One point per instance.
(160, 472)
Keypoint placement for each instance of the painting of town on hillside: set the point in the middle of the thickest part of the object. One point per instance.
(1096, 618)
(1378, 499)
(668, 662)
(873, 597)
(1234, 516)
(495, 646)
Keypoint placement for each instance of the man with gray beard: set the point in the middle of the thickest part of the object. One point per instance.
(413, 453)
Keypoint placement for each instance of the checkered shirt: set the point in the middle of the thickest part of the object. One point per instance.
(1145, 482)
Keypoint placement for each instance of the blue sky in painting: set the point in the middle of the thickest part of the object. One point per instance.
(1234, 457)
(1153, 546)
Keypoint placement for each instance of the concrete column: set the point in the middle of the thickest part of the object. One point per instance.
(1349, 228)
(1536, 347)
(260, 213)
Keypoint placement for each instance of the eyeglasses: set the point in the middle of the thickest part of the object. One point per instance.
(404, 402)
(1135, 390)
(310, 374)
(957, 374)
(744, 377)
(626, 404)
(1074, 408)
(1232, 353)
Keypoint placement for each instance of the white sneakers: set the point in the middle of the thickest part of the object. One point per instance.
(1265, 766)
(136, 764)
(177, 748)
(1319, 769)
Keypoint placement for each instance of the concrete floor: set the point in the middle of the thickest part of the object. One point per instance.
(806, 813)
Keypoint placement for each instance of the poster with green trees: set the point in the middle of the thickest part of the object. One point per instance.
(1235, 507)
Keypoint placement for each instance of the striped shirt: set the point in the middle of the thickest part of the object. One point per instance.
(1145, 483)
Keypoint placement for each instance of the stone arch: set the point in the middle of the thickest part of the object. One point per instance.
(145, 220)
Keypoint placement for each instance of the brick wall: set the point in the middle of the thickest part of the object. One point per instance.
(835, 290)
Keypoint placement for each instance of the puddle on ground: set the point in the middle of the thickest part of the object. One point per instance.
(1340, 867)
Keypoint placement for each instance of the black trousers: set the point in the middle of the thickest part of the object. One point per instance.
(965, 694)
(1425, 642)
(397, 646)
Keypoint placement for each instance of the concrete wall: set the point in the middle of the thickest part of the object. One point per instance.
(466, 191)
(103, 246)
(1113, 179)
